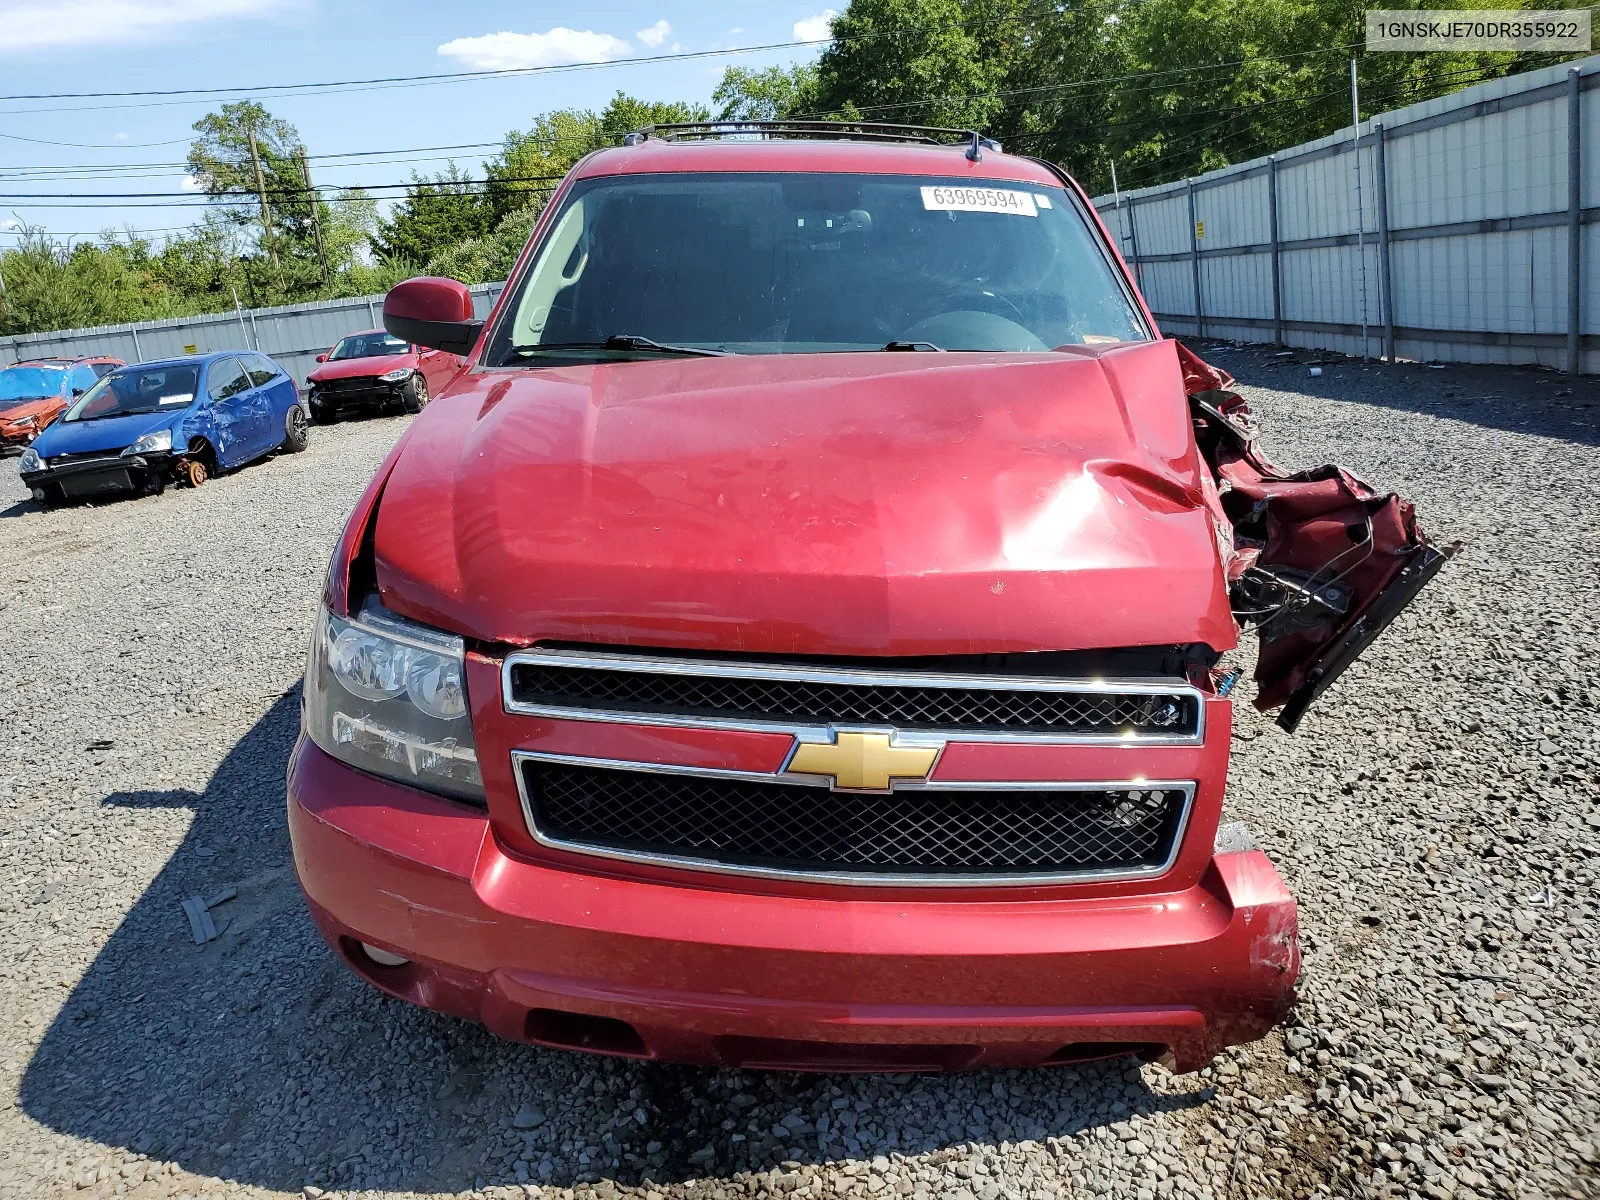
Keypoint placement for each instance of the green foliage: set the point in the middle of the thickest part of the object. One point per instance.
(50, 285)
(532, 163)
(770, 95)
(437, 211)
(917, 62)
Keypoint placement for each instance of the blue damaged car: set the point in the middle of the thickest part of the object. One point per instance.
(181, 421)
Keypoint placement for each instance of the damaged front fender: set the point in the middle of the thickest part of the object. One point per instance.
(1320, 562)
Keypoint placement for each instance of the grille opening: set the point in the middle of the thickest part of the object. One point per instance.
(1086, 1052)
(922, 834)
(580, 1031)
(781, 1054)
(902, 702)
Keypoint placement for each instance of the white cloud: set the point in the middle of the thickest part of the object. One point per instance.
(9, 225)
(815, 29)
(121, 137)
(655, 35)
(508, 51)
(27, 26)
(192, 183)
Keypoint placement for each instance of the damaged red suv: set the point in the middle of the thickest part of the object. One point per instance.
(798, 637)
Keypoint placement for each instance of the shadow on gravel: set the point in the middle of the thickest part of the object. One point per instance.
(1514, 399)
(260, 1058)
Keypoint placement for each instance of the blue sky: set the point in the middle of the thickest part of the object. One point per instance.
(55, 46)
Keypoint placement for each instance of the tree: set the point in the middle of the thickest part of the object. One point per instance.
(529, 163)
(625, 114)
(774, 94)
(1234, 79)
(436, 212)
(53, 285)
(1059, 105)
(917, 62)
(249, 162)
(532, 163)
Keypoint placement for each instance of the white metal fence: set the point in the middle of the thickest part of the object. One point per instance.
(1480, 237)
(292, 335)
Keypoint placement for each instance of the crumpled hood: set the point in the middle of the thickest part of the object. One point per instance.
(108, 433)
(891, 504)
(362, 368)
(16, 410)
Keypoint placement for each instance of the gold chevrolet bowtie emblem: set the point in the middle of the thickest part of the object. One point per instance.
(862, 761)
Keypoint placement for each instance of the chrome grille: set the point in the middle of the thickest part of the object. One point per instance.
(801, 695)
(926, 835)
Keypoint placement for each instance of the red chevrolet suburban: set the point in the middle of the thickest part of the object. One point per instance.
(796, 639)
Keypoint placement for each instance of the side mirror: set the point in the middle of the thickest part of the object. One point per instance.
(76, 392)
(322, 358)
(432, 312)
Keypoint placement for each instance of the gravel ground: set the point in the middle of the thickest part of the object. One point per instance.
(1437, 816)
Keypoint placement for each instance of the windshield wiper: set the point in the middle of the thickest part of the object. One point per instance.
(623, 341)
(915, 346)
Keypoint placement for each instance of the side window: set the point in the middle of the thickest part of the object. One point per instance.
(102, 369)
(83, 377)
(226, 378)
(261, 369)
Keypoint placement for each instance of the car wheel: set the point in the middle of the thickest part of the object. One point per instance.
(195, 472)
(296, 433)
(414, 395)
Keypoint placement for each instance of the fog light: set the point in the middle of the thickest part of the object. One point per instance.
(382, 957)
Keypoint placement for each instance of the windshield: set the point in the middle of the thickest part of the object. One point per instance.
(787, 263)
(31, 383)
(368, 345)
(143, 390)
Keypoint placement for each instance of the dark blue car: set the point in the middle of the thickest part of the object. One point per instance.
(181, 420)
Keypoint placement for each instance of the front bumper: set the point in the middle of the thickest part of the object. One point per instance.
(689, 973)
(111, 474)
(366, 395)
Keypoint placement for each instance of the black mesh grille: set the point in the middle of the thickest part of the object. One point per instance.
(810, 702)
(795, 828)
(354, 387)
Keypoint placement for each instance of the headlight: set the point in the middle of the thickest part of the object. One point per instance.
(150, 443)
(390, 696)
(396, 376)
(26, 422)
(30, 461)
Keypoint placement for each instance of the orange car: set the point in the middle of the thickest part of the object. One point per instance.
(36, 392)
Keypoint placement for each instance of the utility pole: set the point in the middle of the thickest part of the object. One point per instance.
(316, 219)
(261, 191)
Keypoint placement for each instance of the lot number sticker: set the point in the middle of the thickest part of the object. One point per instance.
(975, 199)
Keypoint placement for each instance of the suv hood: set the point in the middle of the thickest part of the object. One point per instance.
(888, 504)
(362, 368)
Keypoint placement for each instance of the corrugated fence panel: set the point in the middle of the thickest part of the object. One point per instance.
(292, 335)
(1477, 210)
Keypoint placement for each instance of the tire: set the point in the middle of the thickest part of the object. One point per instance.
(414, 396)
(296, 432)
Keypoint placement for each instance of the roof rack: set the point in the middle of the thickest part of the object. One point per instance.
(850, 131)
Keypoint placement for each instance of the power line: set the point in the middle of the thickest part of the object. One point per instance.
(206, 95)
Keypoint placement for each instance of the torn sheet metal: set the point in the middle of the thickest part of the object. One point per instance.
(1321, 562)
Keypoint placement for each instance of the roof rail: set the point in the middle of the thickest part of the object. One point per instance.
(850, 131)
